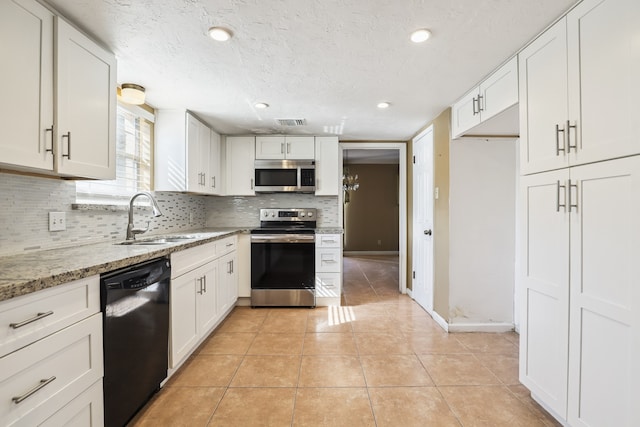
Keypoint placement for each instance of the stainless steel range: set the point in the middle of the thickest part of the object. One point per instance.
(283, 259)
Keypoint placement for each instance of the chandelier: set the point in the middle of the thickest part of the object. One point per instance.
(349, 182)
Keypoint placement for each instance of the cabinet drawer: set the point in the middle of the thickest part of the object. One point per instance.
(328, 285)
(226, 245)
(67, 304)
(87, 409)
(328, 260)
(188, 259)
(70, 359)
(328, 240)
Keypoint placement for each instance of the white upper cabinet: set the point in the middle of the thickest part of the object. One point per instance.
(577, 88)
(493, 96)
(85, 106)
(72, 134)
(184, 154)
(240, 168)
(215, 181)
(327, 174)
(26, 111)
(285, 147)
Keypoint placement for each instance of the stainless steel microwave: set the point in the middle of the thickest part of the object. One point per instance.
(285, 176)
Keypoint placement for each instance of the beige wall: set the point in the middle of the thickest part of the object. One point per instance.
(441, 139)
(372, 214)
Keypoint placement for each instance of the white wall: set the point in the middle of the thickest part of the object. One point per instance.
(482, 234)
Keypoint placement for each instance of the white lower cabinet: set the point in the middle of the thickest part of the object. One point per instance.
(37, 380)
(578, 270)
(86, 410)
(201, 294)
(328, 269)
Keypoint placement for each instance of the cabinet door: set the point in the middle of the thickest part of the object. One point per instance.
(544, 279)
(26, 110)
(206, 289)
(194, 149)
(270, 147)
(543, 101)
(240, 165)
(499, 91)
(300, 147)
(85, 106)
(184, 324)
(604, 377)
(604, 65)
(228, 289)
(327, 173)
(86, 410)
(465, 113)
(215, 180)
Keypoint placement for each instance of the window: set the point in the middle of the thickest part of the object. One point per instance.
(134, 133)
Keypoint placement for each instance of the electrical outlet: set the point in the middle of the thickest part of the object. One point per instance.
(57, 221)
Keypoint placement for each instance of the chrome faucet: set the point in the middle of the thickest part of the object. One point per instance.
(131, 231)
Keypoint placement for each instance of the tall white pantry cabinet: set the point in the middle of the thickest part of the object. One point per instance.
(579, 251)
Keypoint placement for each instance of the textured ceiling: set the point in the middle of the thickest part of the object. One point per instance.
(328, 61)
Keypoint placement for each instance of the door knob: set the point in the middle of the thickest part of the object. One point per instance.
(427, 232)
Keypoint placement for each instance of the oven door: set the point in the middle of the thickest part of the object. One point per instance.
(283, 261)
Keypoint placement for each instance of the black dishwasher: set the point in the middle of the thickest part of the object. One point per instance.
(135, 314)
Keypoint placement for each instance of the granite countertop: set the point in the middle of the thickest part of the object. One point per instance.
(29, 272)
(329, 230)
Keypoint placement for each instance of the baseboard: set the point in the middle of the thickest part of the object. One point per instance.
(480, 327)
(440, 321)
(355, 253)
(243, 302)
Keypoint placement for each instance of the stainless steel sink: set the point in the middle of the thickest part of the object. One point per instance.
(158, 240)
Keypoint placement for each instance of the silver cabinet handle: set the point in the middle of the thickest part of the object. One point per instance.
(229, 267)
(558, 205)
(49, 150)
(33, 319)
(42, 384)
(213, 181)
(473, 105)
(288, 147)
(428, 232)
(232, 266)
(199, 280)
(68, 136)
(480, 98)
(574, 127)
(571, 204)
(252, 183)
(282, 148)
(204, 281)
(558, 149)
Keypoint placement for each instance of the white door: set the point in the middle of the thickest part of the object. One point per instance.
(604, 377)
(26, 31)
(422, 288)
(543, 280)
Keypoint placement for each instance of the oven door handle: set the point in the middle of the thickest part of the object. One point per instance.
(283, 238)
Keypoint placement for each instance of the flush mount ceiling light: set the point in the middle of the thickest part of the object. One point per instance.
(220, 34)
(132, 93)
(383, 105)
(261, 105)
(420, 36)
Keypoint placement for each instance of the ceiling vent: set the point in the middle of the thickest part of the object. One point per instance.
(291, 122)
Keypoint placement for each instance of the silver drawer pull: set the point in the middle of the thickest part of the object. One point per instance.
(42, 384)
(229, 244)
(33, 319)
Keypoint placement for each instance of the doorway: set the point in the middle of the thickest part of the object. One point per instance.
(400, 149)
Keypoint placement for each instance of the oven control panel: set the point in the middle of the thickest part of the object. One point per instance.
(291, 214)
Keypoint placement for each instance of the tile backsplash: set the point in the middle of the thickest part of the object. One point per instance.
(25, 202)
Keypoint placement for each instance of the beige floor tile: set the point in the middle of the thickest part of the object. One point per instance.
(228, 343)
(377, 324)
(267, 371)
(524, 395)
(265, 343)
(337, 320)
(369, 343)
(207, 370)
(283, 323)
(457, 369)
(396, 370)
(329, 343)
(478, 342)
(419, 323)
(241, 324)
(503, 366)
(489, 406)
(250, 312)
(411, 407)
(332, 407)
(255, 407)
(331, 371)
(180, 406)
(428, 343)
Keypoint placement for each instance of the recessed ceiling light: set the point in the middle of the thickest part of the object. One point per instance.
(220, 34)
(384, 105)
(420, 36)
(261, 105)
